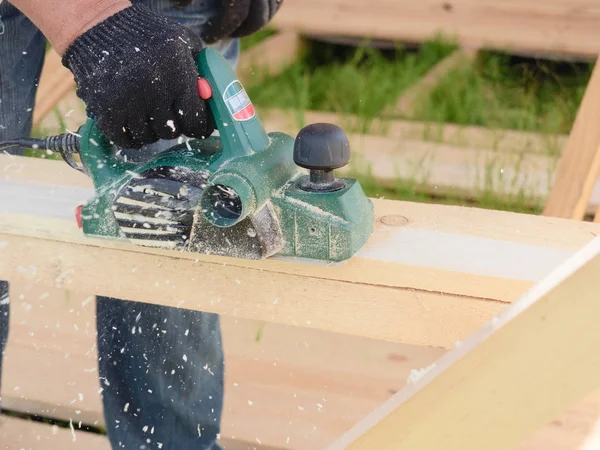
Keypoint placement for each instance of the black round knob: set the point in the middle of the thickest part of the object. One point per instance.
(321, 146)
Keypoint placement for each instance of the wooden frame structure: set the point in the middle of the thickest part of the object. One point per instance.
(426, 279)
(478, 299)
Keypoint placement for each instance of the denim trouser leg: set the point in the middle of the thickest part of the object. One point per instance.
(3, 325)
(161, 369)
(22, 49)
(21, 60)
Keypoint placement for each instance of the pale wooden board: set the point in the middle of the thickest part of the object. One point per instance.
(19, 434)
(335, 379)
(22, 434)
(296, 379)
(577, 172)
(531, 362)
(531, 27)
(466, 160)
(414, 283)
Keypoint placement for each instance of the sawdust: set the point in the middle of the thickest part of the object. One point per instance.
(316, 210)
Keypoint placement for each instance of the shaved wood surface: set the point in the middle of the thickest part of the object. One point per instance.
(531, 362)
(307, 386)
(530, 27)
(405, 104)
(55, 82)
(425, 277)
(577, 171)
(269, 57)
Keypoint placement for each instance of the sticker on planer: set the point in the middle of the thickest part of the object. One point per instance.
(237, 101)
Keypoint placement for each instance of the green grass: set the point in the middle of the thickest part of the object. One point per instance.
(496, 90)
(343, 79)
(503, 91)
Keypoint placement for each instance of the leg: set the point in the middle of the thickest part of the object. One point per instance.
(22, 56)
(3, 325)
(161, 373)
(162, 368)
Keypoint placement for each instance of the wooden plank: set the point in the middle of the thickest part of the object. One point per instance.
(270, 56)
(531, 27)
(401, 264)
(55, 254)
(31, 435)
(577, 171)
(307, 386)
(22, 434)
(296, 379)
(405, 104)
(55, 82)
(438, 158)
(531, 362)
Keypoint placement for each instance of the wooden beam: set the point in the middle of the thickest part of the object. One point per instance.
(56, 81)
(405, 288)
(509, 25)
(269, 57)
(406, 103)
(577, 171)
(529, 363)
(306, 386)
(30, 435)
(295, 378)
(439, 159)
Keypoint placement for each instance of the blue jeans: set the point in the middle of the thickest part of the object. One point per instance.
(161, 368)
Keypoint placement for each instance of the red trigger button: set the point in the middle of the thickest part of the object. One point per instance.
(204, 89)
(78, 216)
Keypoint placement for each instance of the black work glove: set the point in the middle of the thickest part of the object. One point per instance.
(137, 75)
(239, 18)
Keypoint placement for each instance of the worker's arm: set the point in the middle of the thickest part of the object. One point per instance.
(136, 70)
(61, 21)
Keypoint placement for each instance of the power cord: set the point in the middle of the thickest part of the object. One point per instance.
(67, 144)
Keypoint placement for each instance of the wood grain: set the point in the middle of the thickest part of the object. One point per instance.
(307, 386)
(17, 434)
(556, 27)
(577, 171)
(29, 435)
(442, 158)
(528, 364)
(402, 263)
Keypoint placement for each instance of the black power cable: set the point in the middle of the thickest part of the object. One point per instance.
(67, 144)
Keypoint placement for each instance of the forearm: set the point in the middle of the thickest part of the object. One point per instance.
(61, 21)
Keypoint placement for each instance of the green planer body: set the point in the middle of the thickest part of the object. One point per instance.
(242, 193)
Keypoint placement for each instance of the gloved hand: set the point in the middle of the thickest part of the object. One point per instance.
(137, 75)
(239, 18)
